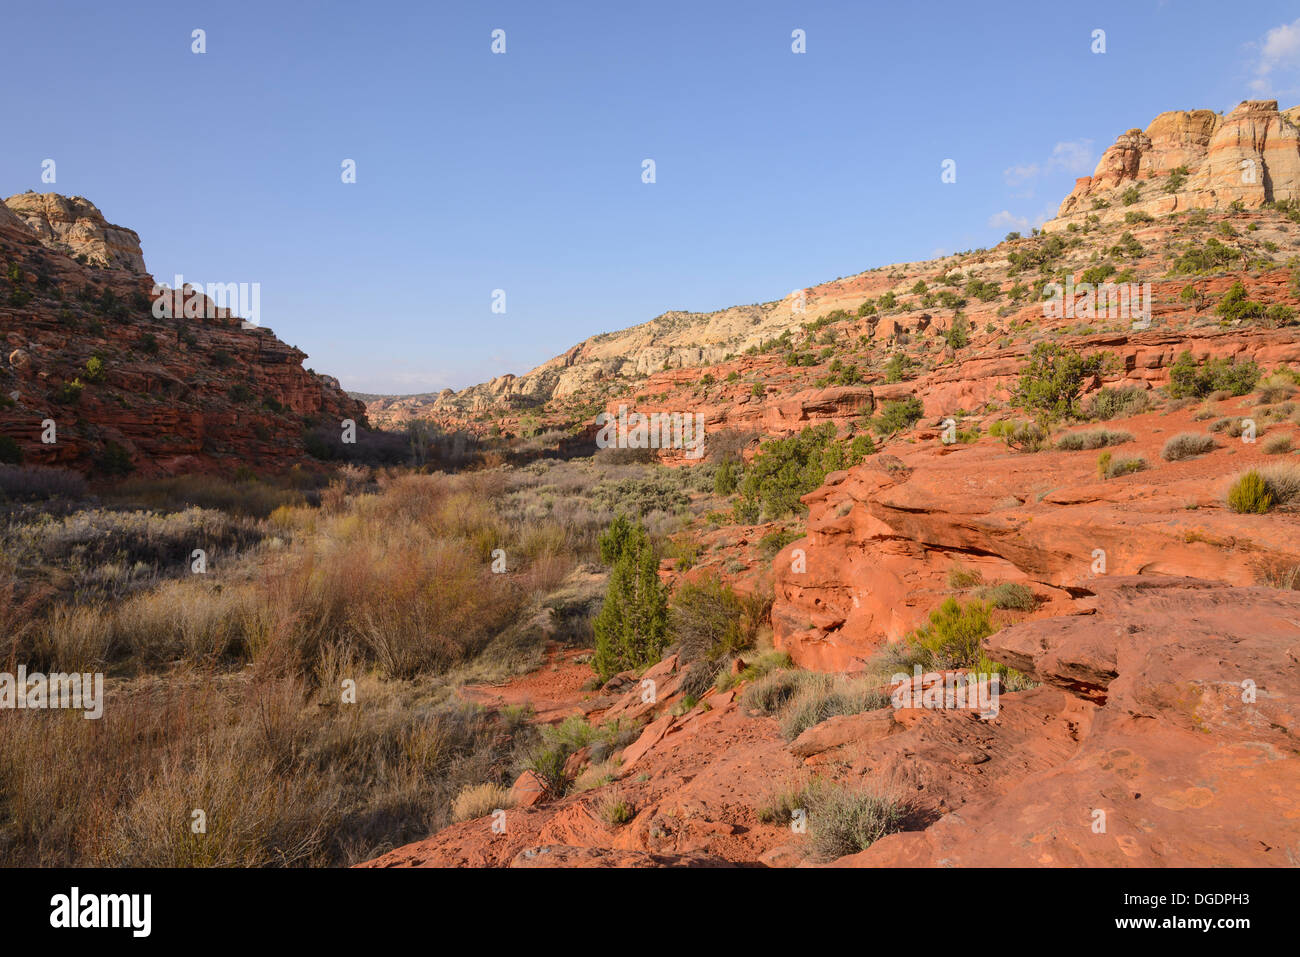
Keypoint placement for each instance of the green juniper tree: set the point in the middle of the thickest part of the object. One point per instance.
(632, 626)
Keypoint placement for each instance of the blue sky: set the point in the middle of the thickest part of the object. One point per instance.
(522, 171)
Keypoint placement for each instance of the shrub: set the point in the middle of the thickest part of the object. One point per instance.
(844, 821)
(899, 367)
(39, 482)
(957, 335)
(1276, 388)
(1232, 426)
(1211, 257)
(952, 637)
(11, 453)
(983, 291)
(1097, 274)
(724, 479)
(631, 628)
(1092, 439)
(69, 393)
(707, 618)
(772, 543)
(761, 666)
(1053, 377)
(768, 692)
(959, 576)
(700, 676)
(114, 459)
(614, 809)
(1009, 595)
(1109, 468)
(1021, 436)
(1187, 445)
(1278, 445)
(1111, 403)
(897, 415)
(1235, 305)
(1283, 481)
(1280, 314)
(1249, 494)
(253, 497)
(1188, 378)
(786, 469)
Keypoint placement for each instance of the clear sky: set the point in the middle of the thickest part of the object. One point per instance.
(523, 171)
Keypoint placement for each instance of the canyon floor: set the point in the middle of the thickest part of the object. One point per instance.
(1070, 460)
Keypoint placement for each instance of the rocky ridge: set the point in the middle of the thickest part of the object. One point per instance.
(126, 390)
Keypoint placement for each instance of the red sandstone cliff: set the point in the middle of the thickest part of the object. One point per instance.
(83, 349)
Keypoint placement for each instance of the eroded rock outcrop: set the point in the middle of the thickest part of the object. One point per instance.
(123, 388)
(1189, 760)
(883, 537)
(75, 225)
(1193, 159)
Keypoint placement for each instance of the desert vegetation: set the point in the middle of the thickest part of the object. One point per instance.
(231, 683)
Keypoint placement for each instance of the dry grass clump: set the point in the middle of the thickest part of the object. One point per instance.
(1109, 467)
(1279, 445)
(479, 800)
(1275, 388)
(1283, 481)
(1092, 439)
(1009, 595)
(961, 577)
(803, 699)
(1187, 445)
(841, 819)
(614, 808)
(820, 697)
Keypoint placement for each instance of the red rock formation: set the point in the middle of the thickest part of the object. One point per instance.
(883, 537)
(176, 395)
(1188, 760)
(1251, 156)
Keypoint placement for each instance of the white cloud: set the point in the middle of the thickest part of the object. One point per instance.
(1073, 156)
(1278, 53)
(1017, 175)
(1004, 220)
(1068, 156)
